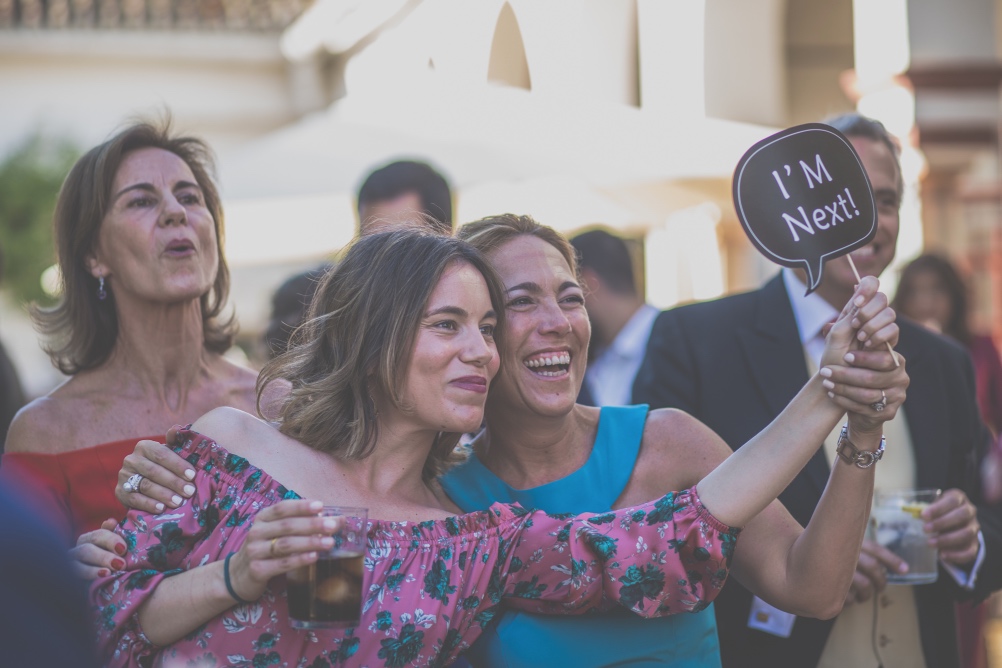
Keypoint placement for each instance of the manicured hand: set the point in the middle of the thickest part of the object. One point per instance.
(167, 478)
(868, 376)
(865, 319)
(99, 552)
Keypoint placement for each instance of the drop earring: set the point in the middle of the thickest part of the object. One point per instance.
(102, 294)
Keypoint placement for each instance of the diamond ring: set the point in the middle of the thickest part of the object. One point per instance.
(880, 405)
(132, 484)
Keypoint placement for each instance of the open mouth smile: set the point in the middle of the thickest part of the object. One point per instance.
(549, 365)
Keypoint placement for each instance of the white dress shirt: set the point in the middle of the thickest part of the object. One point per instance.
(610, 375)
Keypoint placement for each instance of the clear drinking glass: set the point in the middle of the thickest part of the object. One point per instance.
(328, 592)
(896, 524)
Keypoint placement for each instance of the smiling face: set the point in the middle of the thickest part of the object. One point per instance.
(838, 281)
(157, 242)
(454, 356)
(547, 329)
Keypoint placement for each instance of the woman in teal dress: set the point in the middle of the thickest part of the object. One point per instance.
(544, 450)
(554, 454)
(523, 639)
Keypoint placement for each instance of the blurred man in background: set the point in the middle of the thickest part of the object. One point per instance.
(401, 192)
(620, 320)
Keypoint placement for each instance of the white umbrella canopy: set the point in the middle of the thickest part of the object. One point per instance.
(502, 148)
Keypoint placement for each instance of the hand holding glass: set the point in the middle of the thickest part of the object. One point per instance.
(328, 592)
(896, 524)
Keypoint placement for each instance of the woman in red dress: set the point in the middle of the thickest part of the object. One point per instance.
(139, 330)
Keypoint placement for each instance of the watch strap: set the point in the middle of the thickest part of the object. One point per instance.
(850, 454)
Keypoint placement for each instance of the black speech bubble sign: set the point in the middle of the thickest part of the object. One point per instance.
(803, 197)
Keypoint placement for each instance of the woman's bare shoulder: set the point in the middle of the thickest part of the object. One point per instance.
(676, 452)
(53, 423)
(232, 428)
(671, 429)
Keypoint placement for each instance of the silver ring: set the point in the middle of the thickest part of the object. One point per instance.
(132, 484)
(880, 405)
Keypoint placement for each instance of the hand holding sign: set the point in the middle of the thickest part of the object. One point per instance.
(803, 197)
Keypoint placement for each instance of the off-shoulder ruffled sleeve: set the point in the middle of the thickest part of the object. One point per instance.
(660, 558)
(205, 528)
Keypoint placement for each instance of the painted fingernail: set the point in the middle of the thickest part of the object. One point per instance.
(118, 564)
(119, 548)
(103, 573)
(825, 372)
(190, 474)
(160, 507)
(828, 384)
(189, 490)
(903, 568)
(850, 358)
(311, 555)
(176, 500)
(327, 541)
(316, 506)
(330, 524)
(861, 336)
(831, 395)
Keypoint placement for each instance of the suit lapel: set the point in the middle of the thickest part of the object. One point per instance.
(923, 407)
(775, 357)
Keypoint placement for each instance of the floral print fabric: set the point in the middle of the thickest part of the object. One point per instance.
(429, 588)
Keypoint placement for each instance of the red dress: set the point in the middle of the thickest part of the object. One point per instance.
(75, 490)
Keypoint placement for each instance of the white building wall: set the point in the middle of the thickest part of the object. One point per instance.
(227, 88)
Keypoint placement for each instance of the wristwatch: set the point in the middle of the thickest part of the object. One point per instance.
(850, 454)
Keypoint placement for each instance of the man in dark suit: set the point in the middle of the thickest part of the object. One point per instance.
(734, 363)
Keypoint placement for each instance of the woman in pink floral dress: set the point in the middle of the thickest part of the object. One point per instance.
(395, 364)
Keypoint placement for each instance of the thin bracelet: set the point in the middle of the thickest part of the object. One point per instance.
(226, 579)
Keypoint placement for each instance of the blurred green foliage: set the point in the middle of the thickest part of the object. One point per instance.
(30, 177)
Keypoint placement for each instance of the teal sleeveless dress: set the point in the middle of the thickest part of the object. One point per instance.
(615, 638)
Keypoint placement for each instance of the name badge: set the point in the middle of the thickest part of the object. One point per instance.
(764, 617)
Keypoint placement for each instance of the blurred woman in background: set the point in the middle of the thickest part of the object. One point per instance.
(932, 292)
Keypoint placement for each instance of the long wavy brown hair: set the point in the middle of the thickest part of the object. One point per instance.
(359, 337)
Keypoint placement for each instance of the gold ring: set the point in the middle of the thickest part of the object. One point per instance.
(272, 550)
